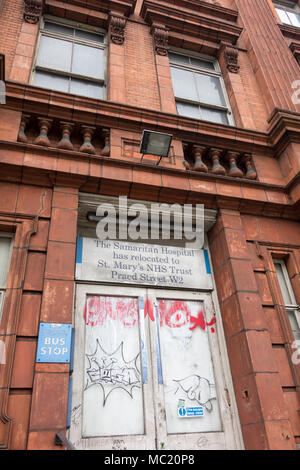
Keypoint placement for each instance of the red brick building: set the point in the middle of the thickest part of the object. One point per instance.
(83, 80)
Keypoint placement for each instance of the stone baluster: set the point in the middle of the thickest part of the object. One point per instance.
(234, 170)
(44, 126)
(198, 152)
(87, 146)
(106, 149)
(217, 168)
(66, 131)
(24, 121)
(250, 172)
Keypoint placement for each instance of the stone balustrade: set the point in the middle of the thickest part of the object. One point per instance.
(64, 135)
(219, 162)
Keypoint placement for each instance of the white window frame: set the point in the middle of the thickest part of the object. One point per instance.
(3, 288)
(287, 8)
(215, 73)
(86, 42)
(293, 307)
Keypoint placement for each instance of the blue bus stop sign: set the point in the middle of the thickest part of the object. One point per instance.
(54, 343)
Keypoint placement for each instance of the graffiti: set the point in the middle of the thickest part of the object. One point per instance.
(178, 315)
(148, 309)
(197, 389)
(174, 314)
(98, 309)
(119, 444)
(76, 414)
(112, 372)
(200, 321)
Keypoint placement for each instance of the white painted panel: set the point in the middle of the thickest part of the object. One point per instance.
(112, 397)
(143, 264)
(187, 367)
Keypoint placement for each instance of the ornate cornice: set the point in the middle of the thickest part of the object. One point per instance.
(190, 21)
(91, 11)
(290, 31)
(204, 8)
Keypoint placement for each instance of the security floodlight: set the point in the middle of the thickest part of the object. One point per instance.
(155, 143)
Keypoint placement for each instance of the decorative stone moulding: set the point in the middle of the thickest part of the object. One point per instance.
(117, 25)
(199, 20)
(231, 56)
(161, 39)
(63, 132)
(32, 11)
(218, 162)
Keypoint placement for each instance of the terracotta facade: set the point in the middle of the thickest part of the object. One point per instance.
(55, 146)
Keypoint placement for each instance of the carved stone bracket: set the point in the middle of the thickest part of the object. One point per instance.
(231, 57)
(32, 11)
(161, 39)
(117, 25)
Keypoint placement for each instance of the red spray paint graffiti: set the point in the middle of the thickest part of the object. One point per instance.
(174, 314)
(200, 321)
(177, 315)
(148, 309)
(97, 309)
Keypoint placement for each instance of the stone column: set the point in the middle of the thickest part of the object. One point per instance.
(263, 415)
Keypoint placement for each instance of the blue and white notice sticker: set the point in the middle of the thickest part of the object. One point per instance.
(190, 411)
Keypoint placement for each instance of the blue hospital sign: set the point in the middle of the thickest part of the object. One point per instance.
(54, 343)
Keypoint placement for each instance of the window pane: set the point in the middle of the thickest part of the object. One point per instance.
(282, 283)
(4, 259)
(51, 81)
(184, 84)
(214, 115)
(180, 59)
(210, 90)
(283, 16)
(86, 88)
(293, 320)
(189, 110)
(88, 61)
(202, 64)
(57, 28)
(88, 35)
(294, 19)
(55, 54)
